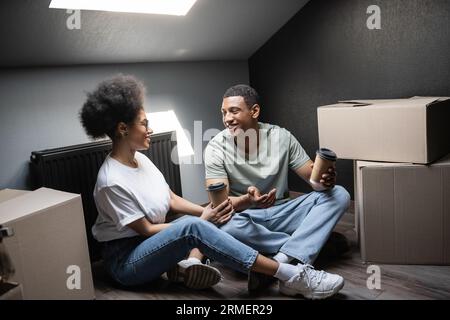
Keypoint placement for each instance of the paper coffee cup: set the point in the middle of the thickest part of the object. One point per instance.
(325, 158)
(217, 193)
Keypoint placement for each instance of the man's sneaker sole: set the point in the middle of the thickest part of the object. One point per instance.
(313, 295)
(197, 276)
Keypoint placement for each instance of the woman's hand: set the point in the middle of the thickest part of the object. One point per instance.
(220, 214)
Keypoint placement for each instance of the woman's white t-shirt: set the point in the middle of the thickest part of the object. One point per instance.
(123, 194)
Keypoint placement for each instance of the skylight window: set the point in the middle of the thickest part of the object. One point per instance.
(168, 7)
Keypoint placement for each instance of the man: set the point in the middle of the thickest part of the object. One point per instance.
(252, 159)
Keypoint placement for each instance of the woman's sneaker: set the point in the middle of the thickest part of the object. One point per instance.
(312, 284)
(194, 274)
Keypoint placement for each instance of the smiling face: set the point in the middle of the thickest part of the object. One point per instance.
(138, 132)
(237, 116)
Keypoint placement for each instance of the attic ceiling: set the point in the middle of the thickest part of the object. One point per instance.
(34, 35)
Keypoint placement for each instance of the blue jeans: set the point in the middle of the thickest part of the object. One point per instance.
(139, 260)
(298, 228)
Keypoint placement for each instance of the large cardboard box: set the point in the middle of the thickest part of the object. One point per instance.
(403, 212)
(49, 247)
(10, 291)
(412, 130)
(7, 194)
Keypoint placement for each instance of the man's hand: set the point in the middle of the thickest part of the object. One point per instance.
(220, 214)
(328, 179)
(261, 201)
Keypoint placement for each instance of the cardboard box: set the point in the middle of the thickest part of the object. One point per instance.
(49, 247)
(404, 130)
(10, 291)
(403, 212)
(7, 194)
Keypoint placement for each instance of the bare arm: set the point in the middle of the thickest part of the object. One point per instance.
(305, 171)
(328, 179)
(177, 204)
(145, 228)
(219, 215)
(180, 205)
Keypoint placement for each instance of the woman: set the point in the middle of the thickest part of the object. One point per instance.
(133, 199)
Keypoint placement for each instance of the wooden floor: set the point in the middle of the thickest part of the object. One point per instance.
(397, 281)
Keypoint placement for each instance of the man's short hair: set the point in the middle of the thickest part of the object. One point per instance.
(249, 94)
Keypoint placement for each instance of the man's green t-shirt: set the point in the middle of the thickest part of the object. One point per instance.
(266, 169)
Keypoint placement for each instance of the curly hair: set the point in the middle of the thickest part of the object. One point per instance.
(115, 100)
(249, 94)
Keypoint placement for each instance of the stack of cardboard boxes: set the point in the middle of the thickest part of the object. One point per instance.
(402, 174)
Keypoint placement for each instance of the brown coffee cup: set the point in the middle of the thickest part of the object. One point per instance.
(217, 193)
(325, 158)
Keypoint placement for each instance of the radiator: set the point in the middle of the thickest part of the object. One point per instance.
(74, 169)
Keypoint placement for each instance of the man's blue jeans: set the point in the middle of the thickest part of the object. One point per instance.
(138, 260)
(298, 228)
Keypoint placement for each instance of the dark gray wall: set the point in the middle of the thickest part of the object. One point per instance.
(326, 53)
(39, 108)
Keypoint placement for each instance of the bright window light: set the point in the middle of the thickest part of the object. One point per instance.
(171, 7)
(167, 121)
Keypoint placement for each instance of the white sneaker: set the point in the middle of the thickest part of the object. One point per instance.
(312, 284)
(194, 274)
